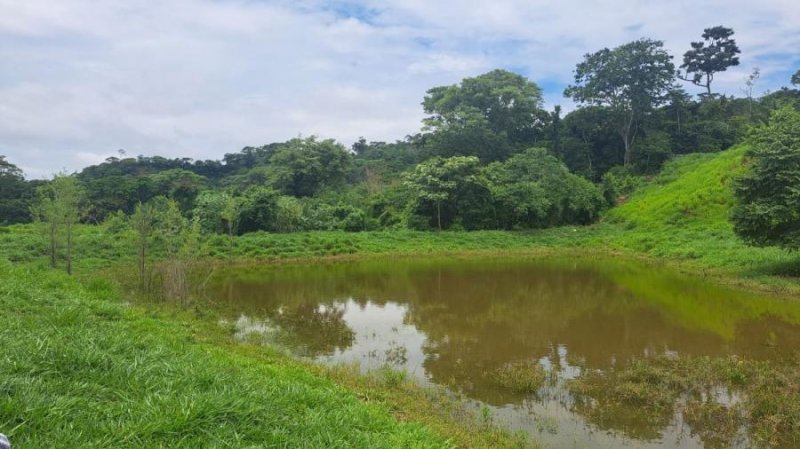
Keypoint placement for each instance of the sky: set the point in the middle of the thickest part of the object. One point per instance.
(82, 79)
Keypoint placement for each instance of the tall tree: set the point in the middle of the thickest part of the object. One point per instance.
(488, 116)
(714, 54)
(630, 80)
(768, 196)
(796, 78)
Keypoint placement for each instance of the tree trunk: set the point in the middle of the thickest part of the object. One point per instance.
(439, 214)
(52, 245)
(626, 158)
(628, 135)
(142, 255)
(69, 248)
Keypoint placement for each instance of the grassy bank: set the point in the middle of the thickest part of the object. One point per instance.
(79, 368)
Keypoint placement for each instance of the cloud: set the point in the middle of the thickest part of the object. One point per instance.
(81, 79)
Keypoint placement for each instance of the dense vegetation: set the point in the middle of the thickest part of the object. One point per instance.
(487, 157)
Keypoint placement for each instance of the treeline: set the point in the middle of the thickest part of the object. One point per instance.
(488, 156)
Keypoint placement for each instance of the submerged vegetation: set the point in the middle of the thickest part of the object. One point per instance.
(521, 377)
(719, 396)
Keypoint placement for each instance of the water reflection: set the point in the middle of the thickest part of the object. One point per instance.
(456, 323)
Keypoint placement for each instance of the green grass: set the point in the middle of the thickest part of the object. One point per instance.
(682, 215)
(80, 369)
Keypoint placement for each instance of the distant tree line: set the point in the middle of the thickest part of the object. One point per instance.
(488, 156)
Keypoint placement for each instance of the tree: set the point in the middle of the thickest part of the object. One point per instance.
(488, 116)
(181, 185)
(796, 78)
(303, 167)
(143, 221)
(181, 240)
(60, 203)
(714, 55)
(533, 189)
(768, 195)
(629, 80)
(15, 194)
(749, 85)
(590, 142)
(437, 181)
(258, 210)
(231, 214)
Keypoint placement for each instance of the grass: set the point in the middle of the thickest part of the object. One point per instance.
(79, 368)
(683, 214)
(521, 377)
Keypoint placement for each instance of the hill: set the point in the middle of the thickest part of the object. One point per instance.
(683, 213)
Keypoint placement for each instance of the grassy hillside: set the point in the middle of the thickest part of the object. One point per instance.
(683, 213)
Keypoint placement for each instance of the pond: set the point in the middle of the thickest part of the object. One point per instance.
(458, 323)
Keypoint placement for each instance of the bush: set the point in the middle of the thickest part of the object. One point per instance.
(618, 183)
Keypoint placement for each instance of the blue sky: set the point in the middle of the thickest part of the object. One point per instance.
(80, 79)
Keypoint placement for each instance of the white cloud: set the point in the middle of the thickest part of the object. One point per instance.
(81, 79)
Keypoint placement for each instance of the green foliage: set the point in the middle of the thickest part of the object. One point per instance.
(654, 148)
(209, 208)
(618, 183)
(303, 167)
(714, 55)
(258, 210)
(143, 222)
(60, 205)
(438, 184)
(488, 116)
(180, 185)
(629, 80)
(535, 190)
(16, 195)
(768, 195)
(521, 377)
(590, 145)
(796, 78)
(288, 214)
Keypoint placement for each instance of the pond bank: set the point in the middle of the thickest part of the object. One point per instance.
(83, 369)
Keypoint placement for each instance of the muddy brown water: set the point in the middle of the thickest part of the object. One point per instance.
(456, 322)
